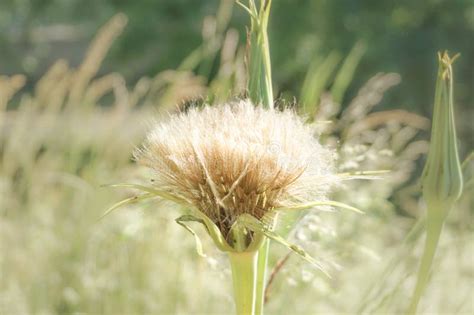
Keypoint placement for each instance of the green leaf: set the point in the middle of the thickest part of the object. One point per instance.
(151, 190)
(257, 226)
(128, 201)
(188, 218)
(313, 204)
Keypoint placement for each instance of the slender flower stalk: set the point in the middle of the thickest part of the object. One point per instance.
(442, 177)
(244, 279)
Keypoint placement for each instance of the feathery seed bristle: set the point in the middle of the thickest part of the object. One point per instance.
(237, 158)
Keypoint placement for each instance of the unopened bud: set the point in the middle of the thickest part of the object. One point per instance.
(442, 176)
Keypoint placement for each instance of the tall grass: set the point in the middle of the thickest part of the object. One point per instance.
(75, 131)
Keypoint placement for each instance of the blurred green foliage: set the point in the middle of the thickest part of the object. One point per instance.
(402, 36)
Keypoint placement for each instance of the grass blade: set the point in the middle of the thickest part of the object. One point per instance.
(346, 73)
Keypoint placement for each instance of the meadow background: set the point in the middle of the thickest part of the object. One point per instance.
(81, 80)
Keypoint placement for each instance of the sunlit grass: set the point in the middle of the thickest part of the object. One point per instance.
(75, 132)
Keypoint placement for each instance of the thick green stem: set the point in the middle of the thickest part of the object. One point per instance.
(244, 277)
(261, 276)
(433, 232)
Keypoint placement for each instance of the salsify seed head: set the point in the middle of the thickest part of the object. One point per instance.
(237, 158)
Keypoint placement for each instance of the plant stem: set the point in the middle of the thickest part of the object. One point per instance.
(261, 276)
(259, 66)
(260, 92)
(244, 277)
(433, 231)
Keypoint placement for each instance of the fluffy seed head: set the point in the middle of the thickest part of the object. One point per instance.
(237, 158)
